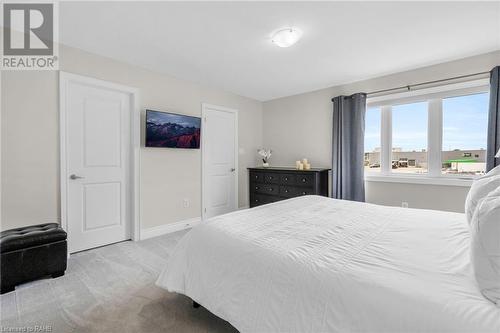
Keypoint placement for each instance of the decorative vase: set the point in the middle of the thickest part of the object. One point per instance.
(265, 165)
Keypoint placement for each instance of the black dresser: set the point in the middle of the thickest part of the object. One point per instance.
(274, 184)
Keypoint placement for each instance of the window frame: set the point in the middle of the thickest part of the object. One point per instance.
(434, 97)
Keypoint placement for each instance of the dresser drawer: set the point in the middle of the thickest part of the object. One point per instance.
(272, 178)
(257, 177)
(287, 179)
(288, 191)
(305, 179)
(299, 191)
(262, 199)
(270, 189)
(257, 187)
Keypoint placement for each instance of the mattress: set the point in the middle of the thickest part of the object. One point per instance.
(316, 264)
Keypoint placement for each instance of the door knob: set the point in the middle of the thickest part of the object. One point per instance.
(73, 177)
(233, 169)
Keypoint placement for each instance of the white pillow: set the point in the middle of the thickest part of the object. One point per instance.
(485, 246)
(480, 188)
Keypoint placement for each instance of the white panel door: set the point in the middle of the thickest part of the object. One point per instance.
(98, 162)
(219, 161)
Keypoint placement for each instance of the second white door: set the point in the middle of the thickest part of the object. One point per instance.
(220, 174)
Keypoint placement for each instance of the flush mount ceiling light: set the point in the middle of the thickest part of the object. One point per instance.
(286, 37)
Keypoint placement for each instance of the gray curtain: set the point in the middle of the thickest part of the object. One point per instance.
(493, 120)
(348, 147)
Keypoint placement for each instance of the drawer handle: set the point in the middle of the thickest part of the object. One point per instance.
(303, 193)
(256, 200)
(270, 177)
(304, 180)
(256, 177)
(271, 189)
(256, 187)
(286, 178)
(286, 191)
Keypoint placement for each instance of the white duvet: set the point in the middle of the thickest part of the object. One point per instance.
(315, 264)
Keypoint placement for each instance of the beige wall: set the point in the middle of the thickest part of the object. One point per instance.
(30, 141)
(300, 126)
(450, 198)
(30, 155)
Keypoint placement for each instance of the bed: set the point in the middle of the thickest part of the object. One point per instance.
(316, 264)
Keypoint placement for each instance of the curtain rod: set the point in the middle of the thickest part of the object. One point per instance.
(410, 86)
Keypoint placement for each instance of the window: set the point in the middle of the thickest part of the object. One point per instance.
(465, 127)
(409, 138)
(372, 139)
(440, 132)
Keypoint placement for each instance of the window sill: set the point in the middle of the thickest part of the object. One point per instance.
(417, 179)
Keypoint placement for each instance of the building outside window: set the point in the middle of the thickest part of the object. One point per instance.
(409, 138)
(440, 134)
(465, 128)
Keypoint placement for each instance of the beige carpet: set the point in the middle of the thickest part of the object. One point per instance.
(109, 289)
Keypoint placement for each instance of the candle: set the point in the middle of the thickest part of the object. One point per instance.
(307, 166)
(304, 161)
(297, 163)
(301, 166)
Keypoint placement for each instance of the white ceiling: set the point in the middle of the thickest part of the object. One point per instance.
(227, 45)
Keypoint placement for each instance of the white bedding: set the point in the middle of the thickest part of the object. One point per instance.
(315, 264)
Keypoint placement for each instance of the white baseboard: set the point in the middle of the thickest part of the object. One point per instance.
(169, 228)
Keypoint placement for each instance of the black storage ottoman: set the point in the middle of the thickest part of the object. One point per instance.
(30, 253)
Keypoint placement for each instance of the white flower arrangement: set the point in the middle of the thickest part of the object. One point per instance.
(265, 154)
